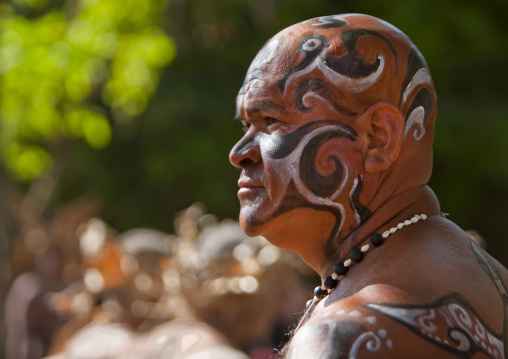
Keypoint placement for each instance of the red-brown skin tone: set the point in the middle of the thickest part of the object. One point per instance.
(430, 266)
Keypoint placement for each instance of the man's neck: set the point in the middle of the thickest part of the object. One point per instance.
(389, 213)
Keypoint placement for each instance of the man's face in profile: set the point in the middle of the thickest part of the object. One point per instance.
(301, 103)
(297, 142)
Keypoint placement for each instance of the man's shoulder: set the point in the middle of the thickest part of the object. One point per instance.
(339, 331)
(347, 328)
(446, 327)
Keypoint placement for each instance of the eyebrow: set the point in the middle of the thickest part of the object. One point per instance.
(258, 106)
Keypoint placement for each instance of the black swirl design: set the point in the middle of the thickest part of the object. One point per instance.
(455, 325)
(319, 87)
(321, 186)
(490, 268)
(358, 208)
(424, 98)
(311, 46)
(284, 145)
(415, 62)
(294, 199)
(351, 65)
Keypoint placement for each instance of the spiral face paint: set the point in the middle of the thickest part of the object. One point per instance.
(314, 79)
(299, 169)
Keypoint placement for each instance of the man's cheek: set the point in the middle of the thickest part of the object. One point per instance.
(321, 169)
(276, 182)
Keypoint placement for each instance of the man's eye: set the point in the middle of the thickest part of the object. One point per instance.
(271, 121)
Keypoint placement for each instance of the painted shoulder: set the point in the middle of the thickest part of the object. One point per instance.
(448, 326)
(343, 334)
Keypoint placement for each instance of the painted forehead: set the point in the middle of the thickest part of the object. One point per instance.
(349, 61)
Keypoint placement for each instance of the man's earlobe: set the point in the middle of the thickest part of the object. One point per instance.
(385, 132)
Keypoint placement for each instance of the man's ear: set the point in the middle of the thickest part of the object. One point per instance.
(384, 126)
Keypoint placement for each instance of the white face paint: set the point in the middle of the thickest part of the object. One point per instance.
(290, 173)
(254, 80)
(353, 190)
(320, 64)
(421, 77)
(331, 21)
(416, 117)
(288, 168)
(371, 341)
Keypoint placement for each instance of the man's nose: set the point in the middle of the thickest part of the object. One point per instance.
(245, 153)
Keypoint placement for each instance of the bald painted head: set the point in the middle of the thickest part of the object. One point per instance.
(335, 109)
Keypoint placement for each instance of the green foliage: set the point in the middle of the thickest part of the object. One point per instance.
(71, 71)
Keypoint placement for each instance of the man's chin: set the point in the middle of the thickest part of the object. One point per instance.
(257, 215)
(250, 227)
(253, 221)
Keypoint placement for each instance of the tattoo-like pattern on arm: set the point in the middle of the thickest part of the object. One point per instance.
(491, 270)
(332, 339)
(451, 322)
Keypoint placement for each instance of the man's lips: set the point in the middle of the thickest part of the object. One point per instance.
(248, 182)
(249, 187)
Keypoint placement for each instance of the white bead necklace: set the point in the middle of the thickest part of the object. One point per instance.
(355, 256)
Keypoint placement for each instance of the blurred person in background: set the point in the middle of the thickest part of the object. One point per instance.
(207, 292)
(45, 259)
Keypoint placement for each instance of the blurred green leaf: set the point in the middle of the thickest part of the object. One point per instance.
(52, 67)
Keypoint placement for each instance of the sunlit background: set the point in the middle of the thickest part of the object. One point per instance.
(122, 110)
